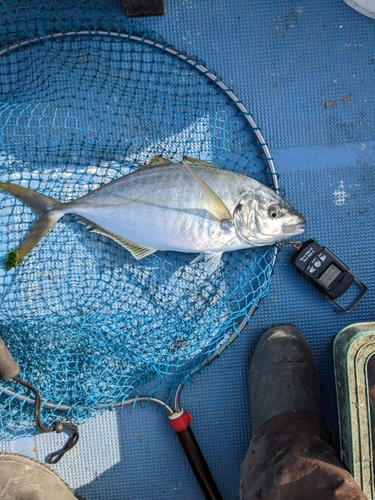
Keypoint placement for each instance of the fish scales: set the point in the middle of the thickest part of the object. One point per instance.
(190, 206)
(164, 207)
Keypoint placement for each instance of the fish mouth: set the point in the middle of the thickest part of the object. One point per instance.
(294, 229)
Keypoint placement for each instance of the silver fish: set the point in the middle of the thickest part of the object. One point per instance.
(190, 206)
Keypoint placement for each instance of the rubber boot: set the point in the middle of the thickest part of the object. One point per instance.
(22, 478)
(283, 375)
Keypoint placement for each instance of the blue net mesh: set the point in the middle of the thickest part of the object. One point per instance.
(91, 326)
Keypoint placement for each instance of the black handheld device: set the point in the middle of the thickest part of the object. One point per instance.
(328, 274)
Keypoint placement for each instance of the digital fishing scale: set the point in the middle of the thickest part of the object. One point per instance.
(328, 274)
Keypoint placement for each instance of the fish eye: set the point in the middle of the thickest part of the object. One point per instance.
(274, 212)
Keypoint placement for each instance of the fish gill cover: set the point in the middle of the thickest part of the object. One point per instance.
(90, 325)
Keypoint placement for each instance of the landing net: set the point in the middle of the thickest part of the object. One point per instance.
(91, 326)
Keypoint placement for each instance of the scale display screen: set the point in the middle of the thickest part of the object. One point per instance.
(329, 276)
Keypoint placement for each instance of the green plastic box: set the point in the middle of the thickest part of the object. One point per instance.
(352, 350)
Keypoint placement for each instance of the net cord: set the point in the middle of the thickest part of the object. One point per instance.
(174, 52)
(192, 61)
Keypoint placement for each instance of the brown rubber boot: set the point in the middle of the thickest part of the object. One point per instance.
(283, 375)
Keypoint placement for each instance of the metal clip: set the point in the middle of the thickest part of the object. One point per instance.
(296, 244)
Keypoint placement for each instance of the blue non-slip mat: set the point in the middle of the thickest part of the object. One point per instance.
(306, 71)
(293, 63)
(138, 455)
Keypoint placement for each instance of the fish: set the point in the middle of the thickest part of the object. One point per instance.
(188, 206)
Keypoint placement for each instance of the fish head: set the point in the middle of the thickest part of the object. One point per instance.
(264, 218)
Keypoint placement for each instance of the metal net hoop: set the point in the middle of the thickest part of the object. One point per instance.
(118, 340)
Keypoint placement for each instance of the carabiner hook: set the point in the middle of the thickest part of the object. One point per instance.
(296, 244)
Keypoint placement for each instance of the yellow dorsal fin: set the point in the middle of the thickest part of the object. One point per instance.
(159, 160)
(156, 161)
(190, 159)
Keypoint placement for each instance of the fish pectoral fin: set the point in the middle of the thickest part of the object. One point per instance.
(136, 249)
(215, 205)
(190, 159)
(212, 260)
(197, 259)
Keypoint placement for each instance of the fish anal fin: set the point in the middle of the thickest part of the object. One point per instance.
(138, 250)
(214, 204)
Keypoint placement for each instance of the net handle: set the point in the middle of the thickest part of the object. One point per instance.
(180, 422)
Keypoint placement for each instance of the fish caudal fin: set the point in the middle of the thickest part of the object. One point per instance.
(41, 227)
(43, 205)
(37, 201)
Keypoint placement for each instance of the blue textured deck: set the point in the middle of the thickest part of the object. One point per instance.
(306, 71)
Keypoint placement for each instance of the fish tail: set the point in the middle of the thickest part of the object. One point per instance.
(47, 217)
